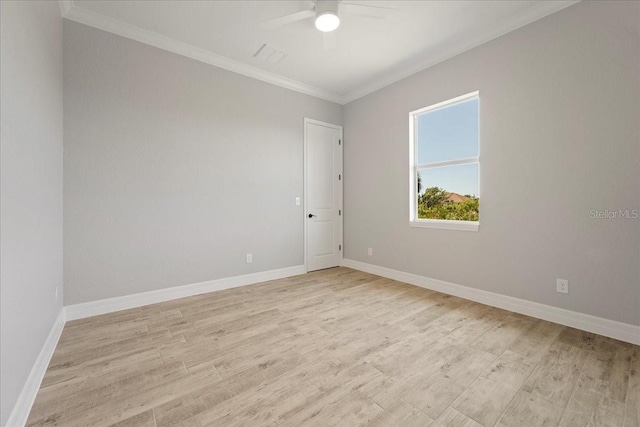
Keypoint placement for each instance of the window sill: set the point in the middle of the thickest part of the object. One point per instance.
(445, 224)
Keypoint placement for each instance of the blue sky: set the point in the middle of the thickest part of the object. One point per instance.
(461, 179)
(448, 134)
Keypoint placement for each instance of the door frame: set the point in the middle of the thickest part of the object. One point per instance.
(340, 188)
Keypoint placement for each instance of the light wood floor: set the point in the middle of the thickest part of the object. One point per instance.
(335, 347)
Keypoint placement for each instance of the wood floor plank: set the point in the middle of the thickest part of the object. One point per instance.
(632, 406)
(577, 338)
(334, 347)
(454, 418)
(207, 398)
(606, 371)
(490, 394)
(145, 419)
(259, 406)
(536, 340)
(587, 408)
(401, 414)
(528, 410)
(555, 377)
(434, 395)
(176, 411)
(96, 379)
(353, 410)
(333, 390)
(497, 339)
(467, 365)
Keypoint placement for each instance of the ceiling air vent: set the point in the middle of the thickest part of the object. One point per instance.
(269, 54)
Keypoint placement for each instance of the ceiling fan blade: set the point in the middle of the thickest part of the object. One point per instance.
(360, 4)
(329, 40)
(376, 17)
(287, 19)
(366, 10)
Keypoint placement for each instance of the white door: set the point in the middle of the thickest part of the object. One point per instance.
(323, 194)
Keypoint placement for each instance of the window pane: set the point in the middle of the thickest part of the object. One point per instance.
(448, 133)
(449, 192)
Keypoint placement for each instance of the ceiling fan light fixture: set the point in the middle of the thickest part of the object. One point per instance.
(327, 21)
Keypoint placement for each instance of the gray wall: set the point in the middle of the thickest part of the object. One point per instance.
(31, 201)
(560, 135)
(175, 169)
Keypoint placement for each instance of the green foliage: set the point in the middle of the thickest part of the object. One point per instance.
(433, 204)
(432, 197)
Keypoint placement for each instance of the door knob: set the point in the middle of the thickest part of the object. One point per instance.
(311, 215)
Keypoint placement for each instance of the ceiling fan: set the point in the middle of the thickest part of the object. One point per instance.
(327, 15)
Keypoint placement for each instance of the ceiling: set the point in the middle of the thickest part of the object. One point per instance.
(368, 54)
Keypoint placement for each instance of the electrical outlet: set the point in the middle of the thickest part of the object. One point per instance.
(297, 201)
(249, 258)
(370, 251)
(562, 286)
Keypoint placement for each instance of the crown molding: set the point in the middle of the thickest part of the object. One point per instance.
(65, 7)
(74, 13)
(538, 11)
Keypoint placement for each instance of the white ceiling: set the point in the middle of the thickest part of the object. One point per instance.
(369, 53)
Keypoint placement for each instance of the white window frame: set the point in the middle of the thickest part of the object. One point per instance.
(414, 221)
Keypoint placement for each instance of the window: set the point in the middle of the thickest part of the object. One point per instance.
(445, 164)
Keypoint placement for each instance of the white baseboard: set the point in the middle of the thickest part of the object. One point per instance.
(28, 394)
(598, 325)
(93, 308)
